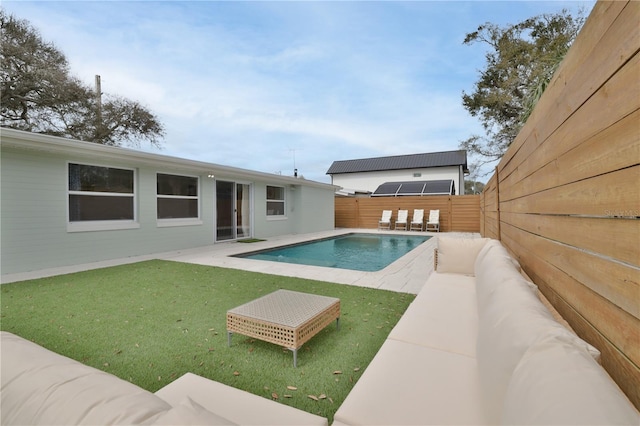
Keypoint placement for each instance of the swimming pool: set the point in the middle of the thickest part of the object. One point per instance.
(360, 252)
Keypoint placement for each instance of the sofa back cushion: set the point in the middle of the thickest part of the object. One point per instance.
(188, 412)
(558, 382)
(41, 387)
(511, 321)
(458, 255)
(494, 249)
(494, 267)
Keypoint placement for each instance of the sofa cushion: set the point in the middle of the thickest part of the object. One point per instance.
(495, 268)
(408, 384)
(42, 387)
(442, 316)
(458, 255)
(512, 321)
(496, 249)
(231, 403)
(188, 412)
(558, 382)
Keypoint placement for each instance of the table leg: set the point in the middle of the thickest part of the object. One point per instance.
(338, 323)
(229, 338)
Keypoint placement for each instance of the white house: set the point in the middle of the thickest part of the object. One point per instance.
(66, 202)
(438, 172)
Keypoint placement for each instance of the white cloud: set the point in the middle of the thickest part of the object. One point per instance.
(244, 83)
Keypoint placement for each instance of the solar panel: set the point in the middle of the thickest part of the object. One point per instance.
(438, 187)
(415, 187)
(388, 189)
(411, 188)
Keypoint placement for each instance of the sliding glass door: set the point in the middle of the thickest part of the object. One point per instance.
(233, 210)
(243, 211)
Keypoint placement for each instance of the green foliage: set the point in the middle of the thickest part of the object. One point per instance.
(472, 187)
(519, 65)
(39, 95)
(151, 322)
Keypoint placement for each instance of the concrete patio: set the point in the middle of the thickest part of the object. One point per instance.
(407, 274)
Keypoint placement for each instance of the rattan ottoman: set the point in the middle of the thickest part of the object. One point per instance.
(284, 317)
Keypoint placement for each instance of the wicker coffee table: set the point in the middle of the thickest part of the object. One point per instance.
(286, 318)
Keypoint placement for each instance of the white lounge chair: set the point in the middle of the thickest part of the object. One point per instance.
(385, 220)
(417, 221)
(401, 223)
(433, 224)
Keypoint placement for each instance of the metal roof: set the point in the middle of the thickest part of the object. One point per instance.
(415, 187)
(399, 162)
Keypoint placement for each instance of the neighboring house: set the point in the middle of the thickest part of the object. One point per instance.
(368, 174)
(66, 202)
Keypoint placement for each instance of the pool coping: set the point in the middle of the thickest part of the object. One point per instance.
(407, 274)
(247, 255)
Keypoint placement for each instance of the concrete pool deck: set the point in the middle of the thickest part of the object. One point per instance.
(408, 274)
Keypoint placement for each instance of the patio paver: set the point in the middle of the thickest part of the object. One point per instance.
(406, 275)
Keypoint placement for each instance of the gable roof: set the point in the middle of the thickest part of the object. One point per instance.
(399, 162)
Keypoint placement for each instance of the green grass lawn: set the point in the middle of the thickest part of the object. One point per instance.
(151, 322)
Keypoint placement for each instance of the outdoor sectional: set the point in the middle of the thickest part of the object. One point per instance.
(478, 346)
(40, 387)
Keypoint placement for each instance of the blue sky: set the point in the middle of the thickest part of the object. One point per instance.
(269, 85)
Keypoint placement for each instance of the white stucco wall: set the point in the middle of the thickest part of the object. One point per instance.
(307, 209)
(35, 232)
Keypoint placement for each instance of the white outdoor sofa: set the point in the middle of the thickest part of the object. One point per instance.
(40, 387)
(478, 346)
(469, 350)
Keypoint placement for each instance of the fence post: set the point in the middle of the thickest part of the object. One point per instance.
(450, 213)
(498, 203)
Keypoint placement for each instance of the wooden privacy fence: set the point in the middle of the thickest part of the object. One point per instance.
(457, 213)
(565, 198)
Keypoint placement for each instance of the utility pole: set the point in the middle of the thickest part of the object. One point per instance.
(295, 169)
(98, 109)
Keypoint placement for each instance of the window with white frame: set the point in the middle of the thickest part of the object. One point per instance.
(275, 201)
(177, 196)
(98, 193)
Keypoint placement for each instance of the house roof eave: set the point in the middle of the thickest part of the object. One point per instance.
(19, 139)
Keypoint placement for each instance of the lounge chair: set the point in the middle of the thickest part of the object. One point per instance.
(401, 223)
(385, 220)
(417, 222)
(433, 224)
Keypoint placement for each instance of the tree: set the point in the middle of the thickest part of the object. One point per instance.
(519, 65)
(38, 94)
(472, 185)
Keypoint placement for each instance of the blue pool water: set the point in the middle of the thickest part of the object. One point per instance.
(360, 252)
